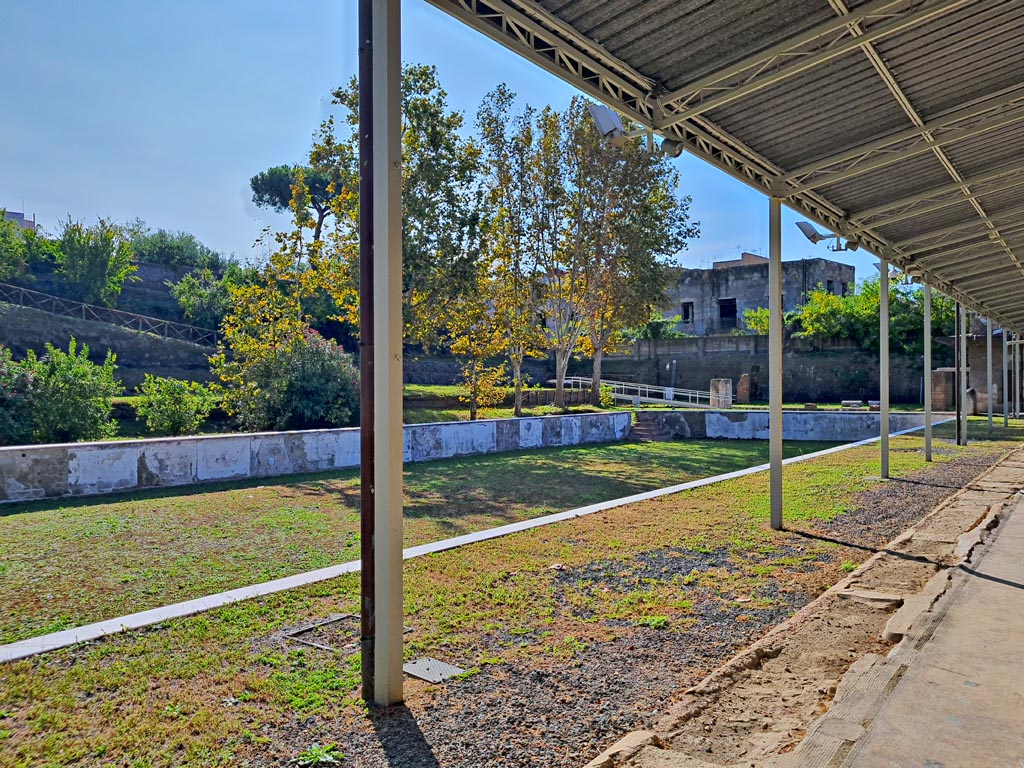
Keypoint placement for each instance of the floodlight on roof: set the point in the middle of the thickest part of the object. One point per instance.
(671, 148)
(816, 237)
(609, 126)
(811, 233)
(608, 123)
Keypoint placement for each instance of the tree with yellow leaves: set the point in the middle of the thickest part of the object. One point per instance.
(508, 146)
(275, 372)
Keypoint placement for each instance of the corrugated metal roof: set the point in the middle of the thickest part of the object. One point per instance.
(960, 213)
(770, 91)
(679, 41)
(830, 96)
(929, 60)
(890, 182)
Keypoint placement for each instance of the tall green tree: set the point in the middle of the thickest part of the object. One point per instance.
(508, 143)
(95, 260)
(441, 196)
(272, 188)
(632, 222)
(276, 372)
(603, 223)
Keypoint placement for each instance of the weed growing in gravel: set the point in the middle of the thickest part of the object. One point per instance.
(319, 755)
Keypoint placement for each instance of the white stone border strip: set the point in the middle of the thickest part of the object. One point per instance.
(56, 640)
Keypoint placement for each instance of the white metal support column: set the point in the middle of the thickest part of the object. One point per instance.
(988, 370)
(962, 341)
(387, 361)
(1006, 378)
(1016, 381)
(883, 366)
(775, 359)
(927, 372)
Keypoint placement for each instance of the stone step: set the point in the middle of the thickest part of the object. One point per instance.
(649, 432)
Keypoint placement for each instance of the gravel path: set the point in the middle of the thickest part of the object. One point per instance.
(514, 714)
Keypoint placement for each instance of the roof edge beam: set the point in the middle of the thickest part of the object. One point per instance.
(508, 26)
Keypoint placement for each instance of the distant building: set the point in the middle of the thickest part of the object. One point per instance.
(20, 219)
(710, 301)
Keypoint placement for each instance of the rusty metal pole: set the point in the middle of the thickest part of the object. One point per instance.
(367, 628)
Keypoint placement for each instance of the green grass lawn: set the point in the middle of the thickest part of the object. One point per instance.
(64, 563)
(222, 687)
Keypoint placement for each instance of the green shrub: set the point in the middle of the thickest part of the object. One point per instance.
(309, 384)
(95, 261)
(173, 406)
(17, 385)
(607, 396)
(13, 255)
(71, 397)
(204, 297)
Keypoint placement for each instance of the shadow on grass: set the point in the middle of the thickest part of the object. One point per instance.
(446, 490)
(401, 738)
(865, 547)
(911, 481)
(171, 492)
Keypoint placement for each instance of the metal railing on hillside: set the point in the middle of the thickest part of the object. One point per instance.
(55, 305)
(650, 393)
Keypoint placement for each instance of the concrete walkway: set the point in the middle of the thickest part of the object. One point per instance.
(957, 683)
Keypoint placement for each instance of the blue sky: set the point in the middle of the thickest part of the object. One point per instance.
(162, 111)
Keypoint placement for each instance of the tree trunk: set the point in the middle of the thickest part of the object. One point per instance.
(320, 217)
(595, 379)
(517, 380)
(474, 392)
(561, 366)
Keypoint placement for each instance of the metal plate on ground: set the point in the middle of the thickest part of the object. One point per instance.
(332, 629)
(431, 670)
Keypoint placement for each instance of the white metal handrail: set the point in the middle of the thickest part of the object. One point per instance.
(647, 393)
